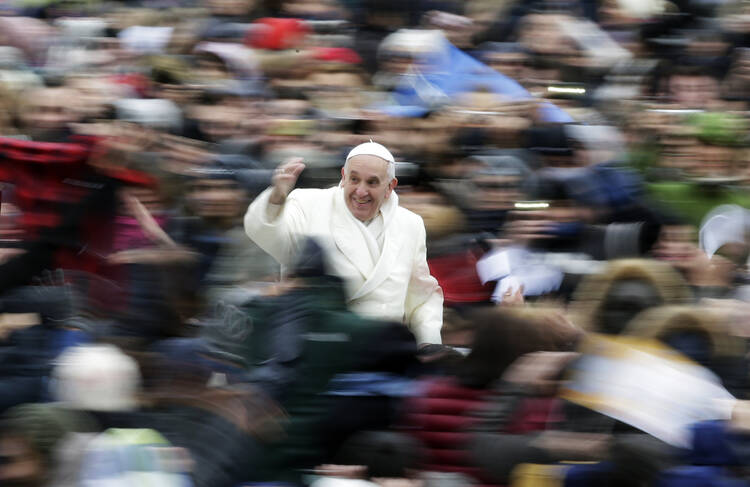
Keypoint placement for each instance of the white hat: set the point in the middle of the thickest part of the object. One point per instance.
(413, 41)
(371, 149)
(96, 377)
(153, 112)
(725, 224)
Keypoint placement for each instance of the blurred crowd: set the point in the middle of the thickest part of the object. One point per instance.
(581, 168)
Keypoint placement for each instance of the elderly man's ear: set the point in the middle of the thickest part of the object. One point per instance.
(391, 186)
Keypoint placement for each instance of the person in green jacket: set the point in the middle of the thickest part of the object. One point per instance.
(713, 172)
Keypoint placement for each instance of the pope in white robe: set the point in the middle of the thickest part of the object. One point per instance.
(377, 247)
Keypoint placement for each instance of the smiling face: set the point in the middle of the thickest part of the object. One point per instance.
(48, 109)
(366, 185)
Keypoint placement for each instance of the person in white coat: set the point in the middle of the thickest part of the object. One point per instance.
(377, 247)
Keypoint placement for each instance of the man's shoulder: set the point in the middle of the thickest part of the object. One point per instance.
(408, 217)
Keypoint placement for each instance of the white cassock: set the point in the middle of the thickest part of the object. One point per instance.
(383, 264)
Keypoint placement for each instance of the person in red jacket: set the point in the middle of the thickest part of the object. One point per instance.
(443, 415)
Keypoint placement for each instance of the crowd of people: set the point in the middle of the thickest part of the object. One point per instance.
(581, 170)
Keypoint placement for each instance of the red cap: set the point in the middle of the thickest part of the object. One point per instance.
(276, 34)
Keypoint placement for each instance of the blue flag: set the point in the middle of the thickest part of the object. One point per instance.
(437, 78)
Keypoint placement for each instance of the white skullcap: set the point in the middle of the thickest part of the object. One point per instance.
(371, 149)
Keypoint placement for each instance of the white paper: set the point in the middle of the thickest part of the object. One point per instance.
(493, 266)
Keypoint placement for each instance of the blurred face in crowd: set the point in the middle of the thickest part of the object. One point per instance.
(216, 198)
(210, 67)
(48, 110)
(252, 113)
(426, 137)
(712, 161)
(693, 91)
(538, 78)
(21, 466)
(366, 185)
(677, 152)
(394, 133)
(287, 127)
(676, 245)
(511, 64)
(741, 67)
(218, 122)
(495, 191)
(656, 121)
(335, 91)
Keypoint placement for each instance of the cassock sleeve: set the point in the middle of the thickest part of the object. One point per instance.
(424, 298)
(276, 229)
